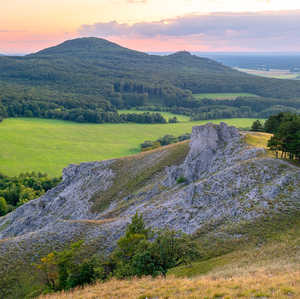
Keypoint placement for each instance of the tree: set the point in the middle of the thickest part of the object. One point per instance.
(24, 187)
(68, 268)
(128, 245)
(171, 249)
(168, 139)
(173, 120)
(286, 138)
(257, 126)
(142, 252)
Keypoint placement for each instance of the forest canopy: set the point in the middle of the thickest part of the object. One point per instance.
(88, 79)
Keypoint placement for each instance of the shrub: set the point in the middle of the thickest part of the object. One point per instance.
(3, 206)
(181, 180)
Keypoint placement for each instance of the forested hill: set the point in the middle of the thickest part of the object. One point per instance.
(92, 73)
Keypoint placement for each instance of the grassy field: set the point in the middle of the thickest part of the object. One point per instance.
(166, 115)
(272, 73)
(29, 144)
(222, 96)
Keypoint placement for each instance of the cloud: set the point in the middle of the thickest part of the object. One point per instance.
(259, 30)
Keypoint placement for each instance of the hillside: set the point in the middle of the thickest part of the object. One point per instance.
(232, 194)
(94, 74)
(265, 267)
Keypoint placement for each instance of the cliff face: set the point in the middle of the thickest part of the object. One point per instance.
(215, 179)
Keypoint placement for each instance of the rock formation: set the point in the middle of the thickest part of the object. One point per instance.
(218, 179)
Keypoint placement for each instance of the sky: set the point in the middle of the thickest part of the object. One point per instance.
(27, 26)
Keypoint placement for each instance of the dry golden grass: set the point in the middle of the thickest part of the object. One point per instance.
(255, 284)
(258, 139)
(268, 270)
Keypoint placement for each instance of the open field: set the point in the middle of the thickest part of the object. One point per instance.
(222, 96)
(29, 144)
(272, 73)
(166, 115)
(258, 139)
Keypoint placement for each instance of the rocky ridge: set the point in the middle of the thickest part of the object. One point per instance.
(218, 179)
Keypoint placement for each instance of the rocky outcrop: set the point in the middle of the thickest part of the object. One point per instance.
(221, 179)
(212, 148)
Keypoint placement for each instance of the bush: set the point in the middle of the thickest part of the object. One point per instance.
(181, 180)
(173, 120)
(140, 252)
(67, 269)
(165, 140)
(143, 252)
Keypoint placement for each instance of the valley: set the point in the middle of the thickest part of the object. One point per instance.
(272, 73)
(30, 144)
(132, 175)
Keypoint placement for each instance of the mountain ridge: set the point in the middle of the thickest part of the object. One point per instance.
(89, 79)
(57, 65)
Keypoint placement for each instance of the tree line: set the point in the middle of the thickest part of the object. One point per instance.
(254, 107)
(165, 140)
(285, 128)
(102, 111)
(82, 115)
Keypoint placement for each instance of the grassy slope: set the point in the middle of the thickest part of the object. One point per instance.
(259, 269)
(222, 96)
(251, 285)
(265, 264)
(49, 145)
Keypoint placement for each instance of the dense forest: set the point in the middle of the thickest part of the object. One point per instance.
(15, 191)
(88, 79)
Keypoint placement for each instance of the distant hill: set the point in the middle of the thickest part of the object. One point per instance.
(93, 73)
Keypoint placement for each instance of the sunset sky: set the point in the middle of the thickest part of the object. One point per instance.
(153, 25)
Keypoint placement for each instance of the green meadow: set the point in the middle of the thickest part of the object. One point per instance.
(222, 96)
(31, 144)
